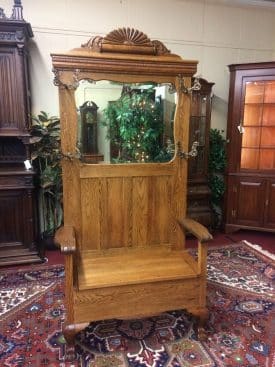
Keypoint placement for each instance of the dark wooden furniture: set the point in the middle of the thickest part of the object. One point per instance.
(198, 191)
(124, 229)
(17, 206)
(251, 150)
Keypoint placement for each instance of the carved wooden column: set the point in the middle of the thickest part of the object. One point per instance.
(17, 203)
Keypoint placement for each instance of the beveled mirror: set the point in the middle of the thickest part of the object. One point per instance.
(129, 122)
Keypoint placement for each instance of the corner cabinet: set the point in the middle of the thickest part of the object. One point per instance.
(251, 148)
(17, 198)
(198, 191)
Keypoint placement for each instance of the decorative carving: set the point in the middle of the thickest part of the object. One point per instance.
(7, 36)
(160, 48)
(94, 43)
(172, 88)
(186, 155)
(2, 14)
(9, 181)
(17, 199)
(56, 81)
(195, 87)
(19, 36)
(60, 84)
(128, 40)
(127, 36)
(17, 11)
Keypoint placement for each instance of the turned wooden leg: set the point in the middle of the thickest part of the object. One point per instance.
(202, 315)
(70, 331)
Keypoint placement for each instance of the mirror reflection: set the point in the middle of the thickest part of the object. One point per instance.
(125, 123)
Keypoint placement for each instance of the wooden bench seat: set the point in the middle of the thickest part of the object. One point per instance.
(134, 267)
(124, 224)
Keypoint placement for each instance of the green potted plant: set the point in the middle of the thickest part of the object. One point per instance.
(216, 169)
(46, 160)
(135, 126)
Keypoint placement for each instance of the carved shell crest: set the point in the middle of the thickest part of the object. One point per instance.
(127, 37)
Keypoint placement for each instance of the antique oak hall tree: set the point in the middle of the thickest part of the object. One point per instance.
(124, 216)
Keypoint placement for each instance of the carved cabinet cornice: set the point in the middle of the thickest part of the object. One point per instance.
(14, 100)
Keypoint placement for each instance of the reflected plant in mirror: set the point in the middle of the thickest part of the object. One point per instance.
(129, 123)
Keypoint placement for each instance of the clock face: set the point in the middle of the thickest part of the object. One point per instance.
(91, 117)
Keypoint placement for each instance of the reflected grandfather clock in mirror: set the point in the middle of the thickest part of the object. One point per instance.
(89, 147)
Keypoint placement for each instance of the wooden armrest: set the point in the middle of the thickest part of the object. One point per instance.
(65, 239)
(197, 229)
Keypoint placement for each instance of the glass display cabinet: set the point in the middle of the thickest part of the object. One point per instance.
(251, 149)
(198, 191)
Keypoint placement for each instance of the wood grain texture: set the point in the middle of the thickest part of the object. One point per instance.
(141, 211)
(18, 212)
(130, 248)
(137, 299)
(91, 194)
(197, 229)
(144, 266)
(65, 239)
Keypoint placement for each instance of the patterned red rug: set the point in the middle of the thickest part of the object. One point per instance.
(240, 298)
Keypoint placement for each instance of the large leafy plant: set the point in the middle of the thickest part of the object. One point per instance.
(217, 165)
(46, 159)
(135, 126)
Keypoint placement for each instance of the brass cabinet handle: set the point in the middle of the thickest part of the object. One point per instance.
(240, 127)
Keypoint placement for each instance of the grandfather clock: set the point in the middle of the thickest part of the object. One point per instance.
(17, 204)
(88, 114)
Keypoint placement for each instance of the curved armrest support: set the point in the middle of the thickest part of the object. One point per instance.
(203, 236)
(197, 229)
(65, 239)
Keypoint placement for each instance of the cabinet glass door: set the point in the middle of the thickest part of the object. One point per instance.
(258, 126)
(198, 121)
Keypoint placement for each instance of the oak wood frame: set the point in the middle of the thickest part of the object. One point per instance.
(150, 195)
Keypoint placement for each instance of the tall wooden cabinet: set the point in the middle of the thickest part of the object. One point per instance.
(17, 204)
(198, 191)
(251, 150)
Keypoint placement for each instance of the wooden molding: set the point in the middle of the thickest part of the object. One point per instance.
(126, 40)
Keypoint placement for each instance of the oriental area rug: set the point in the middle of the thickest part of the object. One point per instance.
(240, 330)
